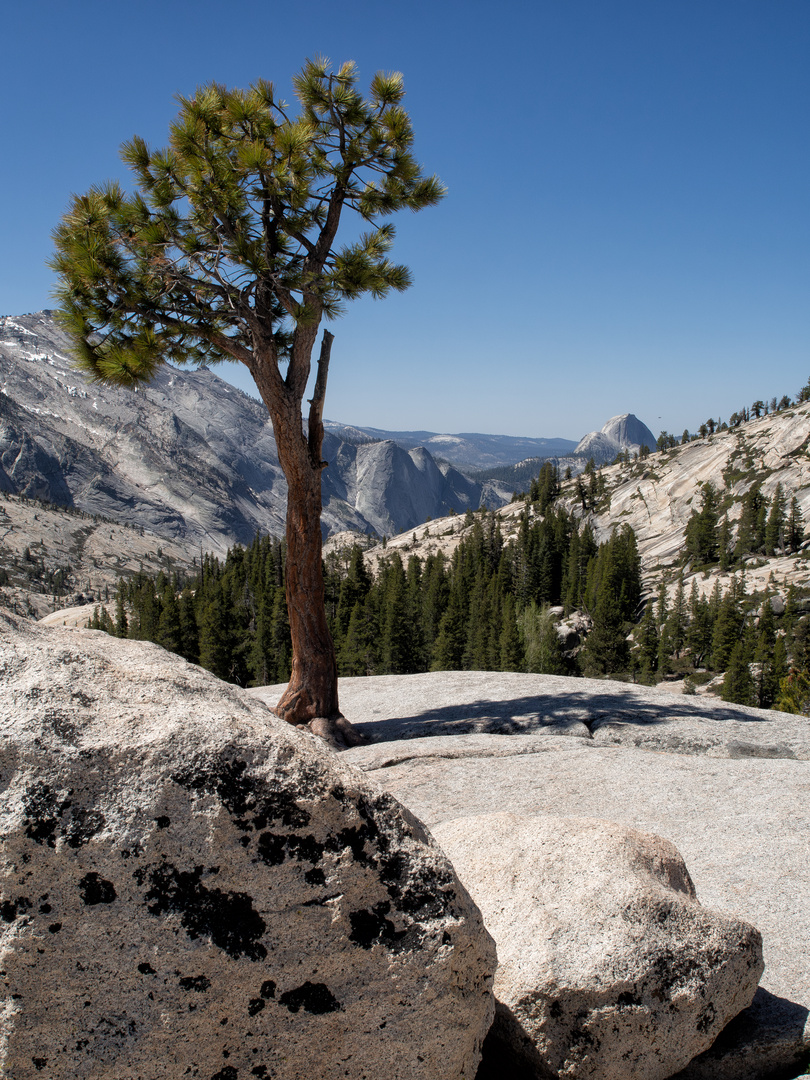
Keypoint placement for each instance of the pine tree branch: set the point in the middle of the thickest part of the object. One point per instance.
(315, 425)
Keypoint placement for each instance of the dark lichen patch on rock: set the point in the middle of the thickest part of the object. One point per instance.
(273, 849)
(48, 818)
(195, 982)
(429, 892)
(44, 809)
(82, 826)
(312, 997)
(228, 919)
(228, 1073)
(10, 909)
(371, 926)
(96, 890)
(251, 802)
(146, 969)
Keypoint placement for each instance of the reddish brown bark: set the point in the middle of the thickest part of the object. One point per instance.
(311, 698)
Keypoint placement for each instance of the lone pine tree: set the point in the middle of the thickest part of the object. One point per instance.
(226, 251)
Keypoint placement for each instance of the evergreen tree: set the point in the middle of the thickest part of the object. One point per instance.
(511, 647)
(677, 621)
(541, 642)
(121, 622)
(701, 540)
(751, 530)
(738, 684)
(353, 658)
(775, 526)
(701, 627)
(770, 660)
(261, 659)
(189, 632)
(795, 526)
(397, 629)
(647, 642)
(169, 633)
(727, 628)
(725, 547)
(606, 650)
(216, 645)
(228, 252)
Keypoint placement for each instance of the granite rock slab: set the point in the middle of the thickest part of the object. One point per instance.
(728, 785)
(191, 887)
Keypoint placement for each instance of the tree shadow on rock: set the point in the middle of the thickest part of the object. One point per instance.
(575, 712)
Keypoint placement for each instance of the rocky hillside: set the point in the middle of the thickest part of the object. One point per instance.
(658, 494)
(189, 457)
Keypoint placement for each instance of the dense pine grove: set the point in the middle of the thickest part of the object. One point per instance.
(489, 606)
(486, 608)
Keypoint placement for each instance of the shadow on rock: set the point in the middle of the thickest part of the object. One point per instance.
(571, 713)
(766, 1041)
(508, 1052)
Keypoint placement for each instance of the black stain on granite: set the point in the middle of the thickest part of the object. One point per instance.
(266, 993)
(10, 909)
(44, 810)
(96, 890)
(83, 826)
(251, 802)
(314, 998)
(228, 919)
(48, 818)
(371, 926)
(273, 849)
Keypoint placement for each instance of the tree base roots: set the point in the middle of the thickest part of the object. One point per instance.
(336, 731)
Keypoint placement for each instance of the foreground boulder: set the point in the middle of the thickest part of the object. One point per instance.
(192, 888)
(719, 780)
(608, 965)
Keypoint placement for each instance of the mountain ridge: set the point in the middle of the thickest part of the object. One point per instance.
(188, 456)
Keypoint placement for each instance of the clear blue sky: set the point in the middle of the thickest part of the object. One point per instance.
(627, 226)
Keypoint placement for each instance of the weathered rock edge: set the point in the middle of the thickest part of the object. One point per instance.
(191, 887)
(609, 967)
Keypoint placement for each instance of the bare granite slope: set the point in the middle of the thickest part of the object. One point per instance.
(657, 495)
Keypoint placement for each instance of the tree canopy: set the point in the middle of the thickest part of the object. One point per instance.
(227, 246)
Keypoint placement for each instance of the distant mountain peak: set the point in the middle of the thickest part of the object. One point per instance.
(620, 433)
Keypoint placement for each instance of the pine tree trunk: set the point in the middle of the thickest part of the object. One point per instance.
(311, 697)
(312, 691)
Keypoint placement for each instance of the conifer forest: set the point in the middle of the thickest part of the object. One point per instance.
(497, 605)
